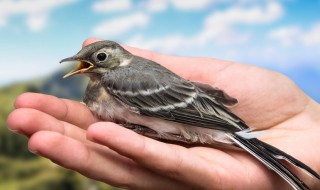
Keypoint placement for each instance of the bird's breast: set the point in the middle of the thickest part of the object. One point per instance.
(101, 103)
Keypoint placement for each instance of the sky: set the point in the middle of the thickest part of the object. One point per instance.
(282, 35)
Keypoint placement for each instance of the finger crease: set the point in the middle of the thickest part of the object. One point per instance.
(175, 171)
(65, 115)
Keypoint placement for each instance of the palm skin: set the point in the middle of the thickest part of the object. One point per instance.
(66, 132)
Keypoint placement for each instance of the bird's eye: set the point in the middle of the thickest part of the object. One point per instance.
(101, 56)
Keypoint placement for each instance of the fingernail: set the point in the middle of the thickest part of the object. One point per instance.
(33, 151)
(14, 130)
(18, 131)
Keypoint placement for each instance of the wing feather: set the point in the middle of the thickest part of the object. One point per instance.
(217, 93)
(163, 94)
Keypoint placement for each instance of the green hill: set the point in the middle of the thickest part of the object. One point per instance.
(21, 170)
(72, 87)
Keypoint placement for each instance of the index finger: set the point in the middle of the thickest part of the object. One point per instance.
(65, 110)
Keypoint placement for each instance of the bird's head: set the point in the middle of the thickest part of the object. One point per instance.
(99, 57)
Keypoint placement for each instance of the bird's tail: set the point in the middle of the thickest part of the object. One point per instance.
(271, 156)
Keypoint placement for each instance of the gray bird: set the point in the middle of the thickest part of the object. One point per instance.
(143, 96)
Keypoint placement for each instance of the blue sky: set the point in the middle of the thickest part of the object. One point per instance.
(281, 35)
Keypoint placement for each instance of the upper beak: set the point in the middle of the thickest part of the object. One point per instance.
(81, 68)
(68, 59)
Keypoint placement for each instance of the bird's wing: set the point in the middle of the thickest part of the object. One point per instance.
(159, 93)
(217, 94)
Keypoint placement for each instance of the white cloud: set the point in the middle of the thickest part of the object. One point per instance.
(3, 21)
(121, 25)
(156, 5)
(290, 35)
(312, 37)
(191, 4)
(37, 22)
(22, 70)
(218, 28)
(241, 15)
(287, 36)
(195, 5)
(112, 5)
(167, 44)
(32, 9)
(162, 5)
(281, 57)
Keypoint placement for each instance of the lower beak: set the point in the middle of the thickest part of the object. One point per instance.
(82, 67)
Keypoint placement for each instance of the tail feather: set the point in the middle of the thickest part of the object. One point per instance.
(282, 155)
(266, 154)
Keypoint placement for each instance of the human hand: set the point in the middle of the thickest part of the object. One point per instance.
(67, 133)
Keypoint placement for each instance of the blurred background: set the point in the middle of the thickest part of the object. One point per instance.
(35, 35)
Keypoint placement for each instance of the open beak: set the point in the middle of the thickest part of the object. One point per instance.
(82, 67)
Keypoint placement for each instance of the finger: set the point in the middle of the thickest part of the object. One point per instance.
(90, 41)
(171, 160)
(97, 162)
(62, 109)
(28, 121)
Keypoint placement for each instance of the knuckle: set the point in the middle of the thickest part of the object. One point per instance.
(176, 166)
(20, 101)
(172, 164)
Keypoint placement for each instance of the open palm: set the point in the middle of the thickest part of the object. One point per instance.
(66, 132)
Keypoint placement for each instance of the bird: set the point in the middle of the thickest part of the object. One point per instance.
(146, 97)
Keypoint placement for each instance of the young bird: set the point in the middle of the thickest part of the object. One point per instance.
(146, 97)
